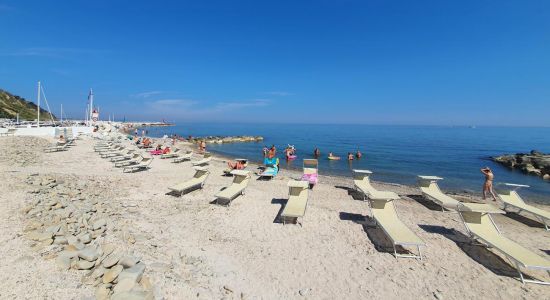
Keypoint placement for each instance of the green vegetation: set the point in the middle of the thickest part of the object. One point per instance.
(11, 105)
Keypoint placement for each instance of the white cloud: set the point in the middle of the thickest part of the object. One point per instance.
(147, 94)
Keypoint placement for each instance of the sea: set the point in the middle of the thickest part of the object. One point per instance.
(395, 154)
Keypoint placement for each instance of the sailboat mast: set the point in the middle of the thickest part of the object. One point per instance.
(38, 107)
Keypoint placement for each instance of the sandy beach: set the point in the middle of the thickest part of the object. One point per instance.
(195, 249)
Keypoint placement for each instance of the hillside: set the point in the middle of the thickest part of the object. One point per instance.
(10, 105)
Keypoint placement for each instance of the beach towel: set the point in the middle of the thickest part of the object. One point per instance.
(311, 178)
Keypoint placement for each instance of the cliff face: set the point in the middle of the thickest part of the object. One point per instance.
(534, 163)
(11, 105)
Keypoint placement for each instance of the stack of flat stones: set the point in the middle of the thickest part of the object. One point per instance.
(71, 228)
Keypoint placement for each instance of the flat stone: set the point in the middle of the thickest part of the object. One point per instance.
(102, 293)
(145, 283)
(63, 262)
(84, 265)
(112, 274)
(99, 223)
(124, 285)
(134, 273)
(98, 272)
(60, 240)
(128, 261)
(108, 248)
(88, 253)
(44, 236)
(85, 238)
(111, 260)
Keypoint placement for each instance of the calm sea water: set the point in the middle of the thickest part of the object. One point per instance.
(394, 153)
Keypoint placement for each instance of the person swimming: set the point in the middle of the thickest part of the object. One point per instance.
(350, 156)
(358, 154)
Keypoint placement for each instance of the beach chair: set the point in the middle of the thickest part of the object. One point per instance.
(431, 191)
(296, 205)
(311, 171)
(237, 187)
(130, 155)
(481, 227)
(512, 199)
(206, 159)
(55, 148)
(183, 157)
(11, 131)
(115, 149)
(144, 164)
(171, 155)
(122, 152)
(362, 184)
(198, 180)
(243, 161)
(271, 168)
(136, 159)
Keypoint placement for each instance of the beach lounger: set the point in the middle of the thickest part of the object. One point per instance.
(271, 168)
(143, 165)
(183, 157)
(362, 184)
(130, 155)
(431, 191)
(512, 199)
(136, 159)
(171, 155)
(198, 180)
(207, 158)
(296, 205)
(11, 131)
(237, 187)
(243, 161)
(56, 148)
(116, 149)
(311, 171)
(385, 215)
(481, 227)
(124, 151)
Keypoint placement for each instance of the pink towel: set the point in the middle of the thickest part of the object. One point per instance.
(311, 178)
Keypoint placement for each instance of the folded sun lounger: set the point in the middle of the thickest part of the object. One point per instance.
(197, 181)
(143, 165)
(296, 205)
(512, 199)
(207, 158)
(311, 171)
(237, 187)
(430, 190)
(362, 184)
(481, 226)
(183, 157)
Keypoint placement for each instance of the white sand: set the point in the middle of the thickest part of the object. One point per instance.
(195, 249)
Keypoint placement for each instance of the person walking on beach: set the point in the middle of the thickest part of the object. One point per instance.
(488, 185)
(202, 146)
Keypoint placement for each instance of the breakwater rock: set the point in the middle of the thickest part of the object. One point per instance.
(227, 139)
(534, 163)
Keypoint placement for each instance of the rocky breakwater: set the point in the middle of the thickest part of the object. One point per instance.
(227, 139)
(67, 220)
(534, 163)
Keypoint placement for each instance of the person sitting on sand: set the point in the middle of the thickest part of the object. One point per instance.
(316, 152)
(358, 154)
(166, 150)
(146, 142)
(61, 140)
(350, 156)
(488, 185)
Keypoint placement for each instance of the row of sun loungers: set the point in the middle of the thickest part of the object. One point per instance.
(10, 131)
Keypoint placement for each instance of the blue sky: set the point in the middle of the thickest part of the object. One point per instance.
(375, 62)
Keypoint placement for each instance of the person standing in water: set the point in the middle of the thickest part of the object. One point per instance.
(316, 152)
(358, 154)
(488, 185)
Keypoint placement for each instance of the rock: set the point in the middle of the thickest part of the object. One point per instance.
(303, 292)
(124, 285)
(133, 296)
(128, 261)
(85, 238)
(60, 240)
(135, 273)
(102, 293)
(88, 253)
(44, 236)
(111, 260)
(438, 296)
(98, 272)
(63, 262)
(84, 265)
(546, 177)
(99, 223)
(145, 283)
(112, 274)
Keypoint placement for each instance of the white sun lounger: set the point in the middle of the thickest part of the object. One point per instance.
(11, 131)
(430, 190)
(198, 180)
(56, 148)
(362, 184)
(513, 199)
(296, 205)
(183, 157)
(136, 159)
(481, 226)
(143, 165)
(237, 187)
(130, 155)
(170, 155)
(207, 158)
(122, 152)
